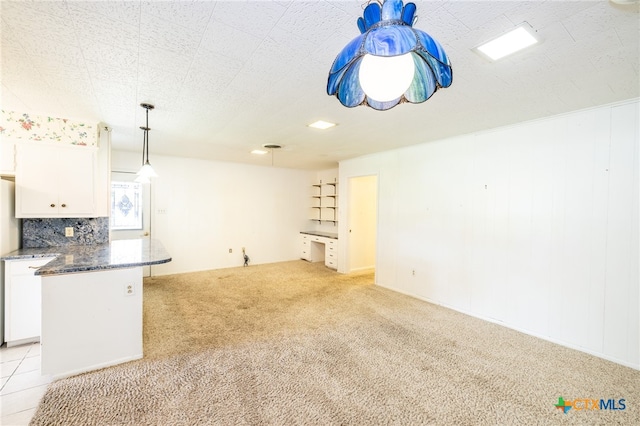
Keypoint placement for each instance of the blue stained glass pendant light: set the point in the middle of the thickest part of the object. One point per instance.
(410, 65)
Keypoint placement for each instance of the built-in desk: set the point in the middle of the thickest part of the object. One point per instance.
(319, 247)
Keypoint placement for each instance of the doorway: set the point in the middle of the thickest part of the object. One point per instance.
(362, 222)
(130, 204)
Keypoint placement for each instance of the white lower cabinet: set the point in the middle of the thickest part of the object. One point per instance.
(331, 253)
(305, 252)
(315, 248)
(22, 300)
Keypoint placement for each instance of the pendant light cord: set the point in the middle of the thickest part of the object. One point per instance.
(145, 135)
(146, 132)
(146, 171)
(144, 145)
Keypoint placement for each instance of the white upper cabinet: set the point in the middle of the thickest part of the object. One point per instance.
(56, 181)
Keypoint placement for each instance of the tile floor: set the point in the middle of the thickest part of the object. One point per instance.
(21, 385)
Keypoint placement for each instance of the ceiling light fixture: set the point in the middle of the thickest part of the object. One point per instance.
(322, 125)
(146, 171)
(508, 43)
(259, 151)
(390, 62)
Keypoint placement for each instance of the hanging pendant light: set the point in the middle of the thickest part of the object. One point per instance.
(390, 62)
(271, 147)
(146, 171)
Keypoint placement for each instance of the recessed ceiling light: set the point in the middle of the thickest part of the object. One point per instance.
(272, 146)
(322, 125)
(259, 151)
(510, 42)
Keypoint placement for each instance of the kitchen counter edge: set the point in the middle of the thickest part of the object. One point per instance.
(117, 254)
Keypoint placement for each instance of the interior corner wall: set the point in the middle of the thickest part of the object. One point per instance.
(532, 226)
(211, 207)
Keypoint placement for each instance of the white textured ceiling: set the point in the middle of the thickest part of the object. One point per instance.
(229, 76)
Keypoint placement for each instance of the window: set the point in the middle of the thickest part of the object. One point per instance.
(126, 205)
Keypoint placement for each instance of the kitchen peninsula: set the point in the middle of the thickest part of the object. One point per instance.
(91, 303)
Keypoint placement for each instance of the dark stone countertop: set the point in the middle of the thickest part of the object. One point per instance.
(98, 257)
(321, 234)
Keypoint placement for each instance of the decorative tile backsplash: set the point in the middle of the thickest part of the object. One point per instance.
(18, 125)
(51, 232)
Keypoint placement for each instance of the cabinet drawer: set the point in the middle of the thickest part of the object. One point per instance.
(27, 267)
(331, 255)
(331, 263)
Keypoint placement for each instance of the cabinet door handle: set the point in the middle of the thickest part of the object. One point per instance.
(64, 205)
(53, 205)
(34, 267)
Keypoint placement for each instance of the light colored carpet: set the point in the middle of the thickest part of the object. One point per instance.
(296, 343)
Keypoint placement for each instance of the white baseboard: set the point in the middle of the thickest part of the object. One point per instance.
(635, 366)
(96, 367)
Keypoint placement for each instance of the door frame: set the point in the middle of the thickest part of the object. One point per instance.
(349, 199)
(146, 230)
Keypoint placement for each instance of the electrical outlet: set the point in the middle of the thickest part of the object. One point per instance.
(68, 231)
(162, 211)
(129, 289)
(413, 272)
(230, 250)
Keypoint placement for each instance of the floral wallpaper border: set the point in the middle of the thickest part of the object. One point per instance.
(48, 129)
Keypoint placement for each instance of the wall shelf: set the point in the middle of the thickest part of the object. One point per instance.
(326, 206)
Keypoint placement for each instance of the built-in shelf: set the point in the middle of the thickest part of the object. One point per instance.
(330, 202)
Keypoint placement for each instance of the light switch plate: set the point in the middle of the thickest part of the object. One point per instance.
(68, 231)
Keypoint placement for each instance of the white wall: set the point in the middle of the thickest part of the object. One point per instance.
(10, 227)
(212, 206)
(533, 226)
(10, 231)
